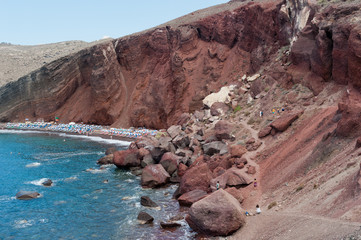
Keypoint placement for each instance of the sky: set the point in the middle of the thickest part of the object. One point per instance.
(33, 22)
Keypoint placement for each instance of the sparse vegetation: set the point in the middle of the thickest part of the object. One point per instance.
(237, 109)
(272, 204)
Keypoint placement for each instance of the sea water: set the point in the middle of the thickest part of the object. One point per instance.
(80, 204)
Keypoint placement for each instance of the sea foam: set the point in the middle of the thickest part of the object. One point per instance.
(34, 164)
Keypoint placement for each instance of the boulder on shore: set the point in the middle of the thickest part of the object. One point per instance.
(197, 177)
(108, 159)
(218, 214)
(26, 195)
(154, 176)
(191, 197)
(147, 202)
(126, 158)
(144, 218)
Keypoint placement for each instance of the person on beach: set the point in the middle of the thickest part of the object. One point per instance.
(217, 185)
(255, 183)
(258, 209)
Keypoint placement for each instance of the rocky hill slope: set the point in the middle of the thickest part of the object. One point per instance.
(300, 56)
(18, 60)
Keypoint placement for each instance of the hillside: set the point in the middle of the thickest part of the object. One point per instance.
(300, 58)
(18, 60)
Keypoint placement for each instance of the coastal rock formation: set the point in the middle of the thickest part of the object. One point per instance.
(147, 202)
(144, 218)
(126, 158)
(218, 214)
(197, 177)
(154, 176)
(26, 195)
(191, 197)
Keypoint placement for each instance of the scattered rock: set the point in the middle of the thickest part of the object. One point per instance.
(237, 151)
(219, 109)
(215, 147)
(154, 175)
(144, 218)
(218, 214)
(47, 183)
(197, 177)
(126, 158)
(223, 130)
(170, 162)
(26, 195)
(170, 224)
(191, 197)
(265, 132)
(147, 160)
(251, 170)
(174, 131)
(108, 159)
(282, 123)
(182, 168)
(147, 202)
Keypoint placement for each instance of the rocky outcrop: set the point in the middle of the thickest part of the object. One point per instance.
(218, 214)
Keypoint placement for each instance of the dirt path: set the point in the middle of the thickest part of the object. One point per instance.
(291, 225)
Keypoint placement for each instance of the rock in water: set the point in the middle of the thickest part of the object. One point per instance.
(47, 183)
(144, 218)
(147, 202)
(154, 175)
(218, 214)
(26, 195)
(170, 224)
(108, 159)
(126, 158)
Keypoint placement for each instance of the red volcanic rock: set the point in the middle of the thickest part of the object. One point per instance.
(191, 197)
(237, 151)
(143, 152)
(265, 132)
(233, 177)
(196, 177)
(183, 119)
(236, 193)
(182, 168)
(219, 108)
(282, 123)
(154, 176)
(251, 170)
(126, 158)
(218, 171)
(358, 143)
(217, 214)
(170, 162)
(223, 130)
(350, 108)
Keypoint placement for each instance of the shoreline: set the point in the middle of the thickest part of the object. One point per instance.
(83, 130)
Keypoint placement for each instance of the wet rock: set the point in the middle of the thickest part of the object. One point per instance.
(237, 151)
(223, 130)
(108, 159)
(197, 177)
(154, 176)
(215, 147)
(218, 214)
(126, 158)
(147, 202)
(110, 150)
(191, 197)
(144, 218)
(26, 195)
(170, 224)
(47, 183)
(170, 162)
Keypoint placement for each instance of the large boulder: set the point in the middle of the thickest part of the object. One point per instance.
(219, 109)
(126, 158)
(166, 144)
(197, 177)
(108, 159)
(236, 193)
(191, 197)
(237, 151)
(265, 132)
(147, 202)
(218, 214)
(170, 162)
(233, 177)
(223, 130)
(154, 175)
(26, 195)
(181, 141)
(144, 218)
(282, 123)
(215, 147)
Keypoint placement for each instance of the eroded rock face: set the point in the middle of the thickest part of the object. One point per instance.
(150, 79)
(218, 214)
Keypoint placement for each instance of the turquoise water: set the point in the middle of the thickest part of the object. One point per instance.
(79, 205)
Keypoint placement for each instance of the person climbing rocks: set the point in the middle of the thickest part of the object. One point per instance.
(255, 183)
(258, 209)
(217, 185)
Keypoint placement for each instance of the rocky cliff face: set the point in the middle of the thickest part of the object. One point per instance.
(149, 79)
